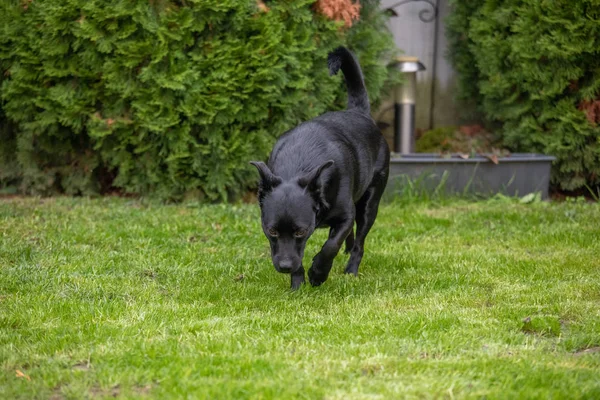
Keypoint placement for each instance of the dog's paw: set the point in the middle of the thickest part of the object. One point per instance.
(351, 270)
(315, 278)
(297, 281)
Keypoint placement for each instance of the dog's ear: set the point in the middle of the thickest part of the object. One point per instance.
(312, 177)
(265, 173)
(310, 181)
(268, 180)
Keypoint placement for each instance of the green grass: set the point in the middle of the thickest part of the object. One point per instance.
(113, 297)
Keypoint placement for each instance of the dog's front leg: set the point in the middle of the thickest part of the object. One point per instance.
(297, 278)
(322, 262)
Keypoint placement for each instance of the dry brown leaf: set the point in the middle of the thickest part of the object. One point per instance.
(20, 374)
(492, 157)
(588, 351)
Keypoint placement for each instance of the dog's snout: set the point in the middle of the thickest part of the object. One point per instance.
(285, 265)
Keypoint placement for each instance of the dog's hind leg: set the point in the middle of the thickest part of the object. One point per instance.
(366, 212)
(349, 242)
(322, 262)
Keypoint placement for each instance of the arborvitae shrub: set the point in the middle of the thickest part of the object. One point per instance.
(533, 67)
(167, 98)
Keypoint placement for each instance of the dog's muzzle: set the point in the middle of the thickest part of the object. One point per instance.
(286, 266)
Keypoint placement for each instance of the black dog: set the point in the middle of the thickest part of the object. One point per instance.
(329, 171)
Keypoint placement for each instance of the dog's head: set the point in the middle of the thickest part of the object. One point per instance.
(289, 212)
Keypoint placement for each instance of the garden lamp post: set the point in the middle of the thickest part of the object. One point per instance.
(404, 105)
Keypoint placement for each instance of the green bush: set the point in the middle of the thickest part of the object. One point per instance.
(532, 66)
(168, 98)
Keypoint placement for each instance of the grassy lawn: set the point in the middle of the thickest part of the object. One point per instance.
(114, 297)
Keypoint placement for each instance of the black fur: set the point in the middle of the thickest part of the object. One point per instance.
(328, 172)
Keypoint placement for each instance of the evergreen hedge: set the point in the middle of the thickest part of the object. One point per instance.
(533, 67)
(169, 98)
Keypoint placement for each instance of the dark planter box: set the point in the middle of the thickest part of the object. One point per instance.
(515, 175)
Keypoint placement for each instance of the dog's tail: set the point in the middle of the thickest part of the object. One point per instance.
(357, 92)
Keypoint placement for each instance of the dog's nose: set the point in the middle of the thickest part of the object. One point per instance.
(285, 265)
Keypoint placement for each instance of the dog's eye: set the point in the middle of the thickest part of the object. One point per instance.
(300, 233)
(273, 232)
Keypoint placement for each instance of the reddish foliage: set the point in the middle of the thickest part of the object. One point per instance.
(470, 130)
(591, 109)
(339, 10)
(574, 86)
(262, 6)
